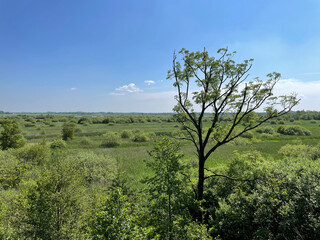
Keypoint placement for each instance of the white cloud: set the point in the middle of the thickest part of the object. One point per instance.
(117, 94)
(149, 82)
(73, 89)
(308, 91)
(310, 73)
(130, 88)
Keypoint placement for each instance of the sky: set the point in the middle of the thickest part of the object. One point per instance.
(113, 56)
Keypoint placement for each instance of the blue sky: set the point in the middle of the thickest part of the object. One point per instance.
(99, 55)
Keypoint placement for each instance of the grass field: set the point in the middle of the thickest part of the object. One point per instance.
(132, 154)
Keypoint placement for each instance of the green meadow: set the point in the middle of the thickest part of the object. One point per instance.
(131, 154)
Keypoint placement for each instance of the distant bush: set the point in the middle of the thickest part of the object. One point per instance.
(29, 125)
(313, 121)
(126, 134)
(58, 144)
(110, 140)
(85, 120)
(267, 130)
(78, 130)
(281, 122)
(273, 122)
(85, 142)
(294, 130)
(240, 141)
(248, 135)
(68, 130)
(140, 137)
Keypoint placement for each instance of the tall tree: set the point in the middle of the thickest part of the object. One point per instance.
(224, 92)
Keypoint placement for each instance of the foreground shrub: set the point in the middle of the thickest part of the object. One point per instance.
(52, 205)
(169, 197)
(115, 219)
(269, 200)
(96, 169)
(301, 151)
(11, 170)
(36, 154)
(110, 140)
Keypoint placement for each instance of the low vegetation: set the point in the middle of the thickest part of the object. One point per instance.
(263, 185)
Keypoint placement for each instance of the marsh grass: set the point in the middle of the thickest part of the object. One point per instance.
(132, 155)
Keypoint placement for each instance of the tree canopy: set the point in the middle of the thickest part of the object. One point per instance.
(222, 89)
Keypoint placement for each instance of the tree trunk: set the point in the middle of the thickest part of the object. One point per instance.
(199, 216)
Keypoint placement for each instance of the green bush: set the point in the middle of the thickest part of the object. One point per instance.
(248, 135)
(58, 144)
(96, 169)
(240, 141)
(11, 170)
(52, 205)
(126, 134)
(267, 130)
(85, 120)
(269, 201)
(68, 130)
(300, 151)
(110, 140)
(11, 136)
(293, 130)
(36, 154)
(139, 136)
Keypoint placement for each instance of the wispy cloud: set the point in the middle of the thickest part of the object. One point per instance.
(73, 89)
(149, 82)
(310, 73)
